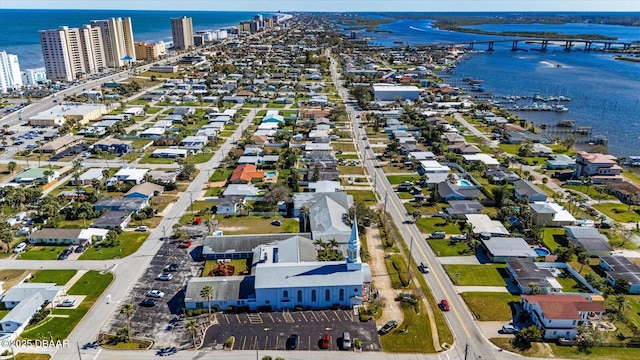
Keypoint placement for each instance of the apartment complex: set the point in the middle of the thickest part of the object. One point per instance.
(117, 38)
(147, 51)
(182, 32)
(72, 53)
(10, 77)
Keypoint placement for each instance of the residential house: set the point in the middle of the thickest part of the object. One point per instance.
(619, 267)
(54, 236)
(435, 172)
(526, 190)
(324, 186)
(551, 214)
(499, 249)
(600, 167)
(464, 149)
(87, 177)
(483, 158)
(559, 316)
(589, 239)
(448, 191)
(133, 204)
(112, 220)
(164, 177)
(194, 143)
(251, 192)
(230, 205)
(481, 224)
(39, 175)
(460, 208)
(24, 300)
(245, 173)
(145, 190)
(500, 175)
(327, 214)
(526, 274)
(113, 145)
(131, 175)
(170, 153)
(625, 191)
(153, 133)
(560, 162)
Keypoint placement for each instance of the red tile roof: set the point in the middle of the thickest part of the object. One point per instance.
(564, 306)
(245, 173)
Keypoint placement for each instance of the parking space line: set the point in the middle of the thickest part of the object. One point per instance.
(325, 315)
(255, 344)
(226, 317)
(349, 315)
(277, 339)
(305, 318)
(244, 341)
(238, 317)
(266, 341)
(314, 315)
(288, 318)
(272, 320)
(337, 316)
(309, 345)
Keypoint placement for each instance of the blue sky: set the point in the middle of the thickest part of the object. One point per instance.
(332, 5)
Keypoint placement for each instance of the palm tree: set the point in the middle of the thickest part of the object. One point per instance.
(193, 327)
(207, 292)
(535, 288)
(127, 311)
(583, 259)
(304, 211)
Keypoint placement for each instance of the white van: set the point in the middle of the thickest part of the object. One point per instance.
(20, 248)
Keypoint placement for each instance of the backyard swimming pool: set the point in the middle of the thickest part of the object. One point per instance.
(542, 251)
(464, 183)
(269, 175)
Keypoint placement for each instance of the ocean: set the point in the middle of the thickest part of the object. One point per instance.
(604, 92)
(20, 28)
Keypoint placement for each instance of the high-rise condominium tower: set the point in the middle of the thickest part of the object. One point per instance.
(117, 38)
(182, 31)
(73, 53)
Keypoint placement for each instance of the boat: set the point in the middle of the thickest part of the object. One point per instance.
(560, 108)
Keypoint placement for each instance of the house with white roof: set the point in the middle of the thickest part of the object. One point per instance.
(24, 300)
(194, 143)
(131, 175)
(551, 214)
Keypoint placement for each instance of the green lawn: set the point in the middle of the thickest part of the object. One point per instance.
(92, 285)
(129, 243)
(619, 212)
(59, 277)
(609, 353)
(32, 356)
(236, 225)
(569, 284)
(220, 175)
(553, 238)
(490, 306)
(351, 170)
(200, 158)
(364, 196)
(147, 159)
(343, 146)
(415, 339)
(42, 253)
(450, 248)
(239, 264)
(592, 192)
(398, 179)
(477, 275)
(429, 225)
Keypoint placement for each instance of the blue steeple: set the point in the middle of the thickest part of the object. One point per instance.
(353, 249)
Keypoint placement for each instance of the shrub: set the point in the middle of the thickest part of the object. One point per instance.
(39, 316)
(229, 343)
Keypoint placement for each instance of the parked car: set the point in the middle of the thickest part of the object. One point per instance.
(440, 214)
(148, 302)
(423, 268)
(67, 303)
(155, 293)
(437, 235)
(346, 340)
(326, 341)
(276, 223)
(20, 248)
(510, 329)
(142, 228)
(459, 237)
(82, 247)
(604, 225)
(292, 342)
(390, 325)
(184, 244)
(444, 305)
(170, 267)
(164, 277)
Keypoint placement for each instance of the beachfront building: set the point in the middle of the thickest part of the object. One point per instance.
(388, 92)
(33, 77)
(72, 53)
(117, 38)
(182, 33)
(149, 51)
(10, 77)
(600, 167)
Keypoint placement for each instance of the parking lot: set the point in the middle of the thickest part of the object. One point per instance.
(270, 330)
(161, 322)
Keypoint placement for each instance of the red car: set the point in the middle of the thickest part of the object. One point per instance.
(444, 305)
(326, 341)
(184, 245)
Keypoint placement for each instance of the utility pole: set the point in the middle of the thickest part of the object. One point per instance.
(384, 209)
(78, 347)
(466, 350)
(410, 256)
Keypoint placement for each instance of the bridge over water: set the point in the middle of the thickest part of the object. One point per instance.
(544, 43)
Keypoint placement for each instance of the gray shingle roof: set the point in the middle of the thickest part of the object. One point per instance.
(329, 273)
